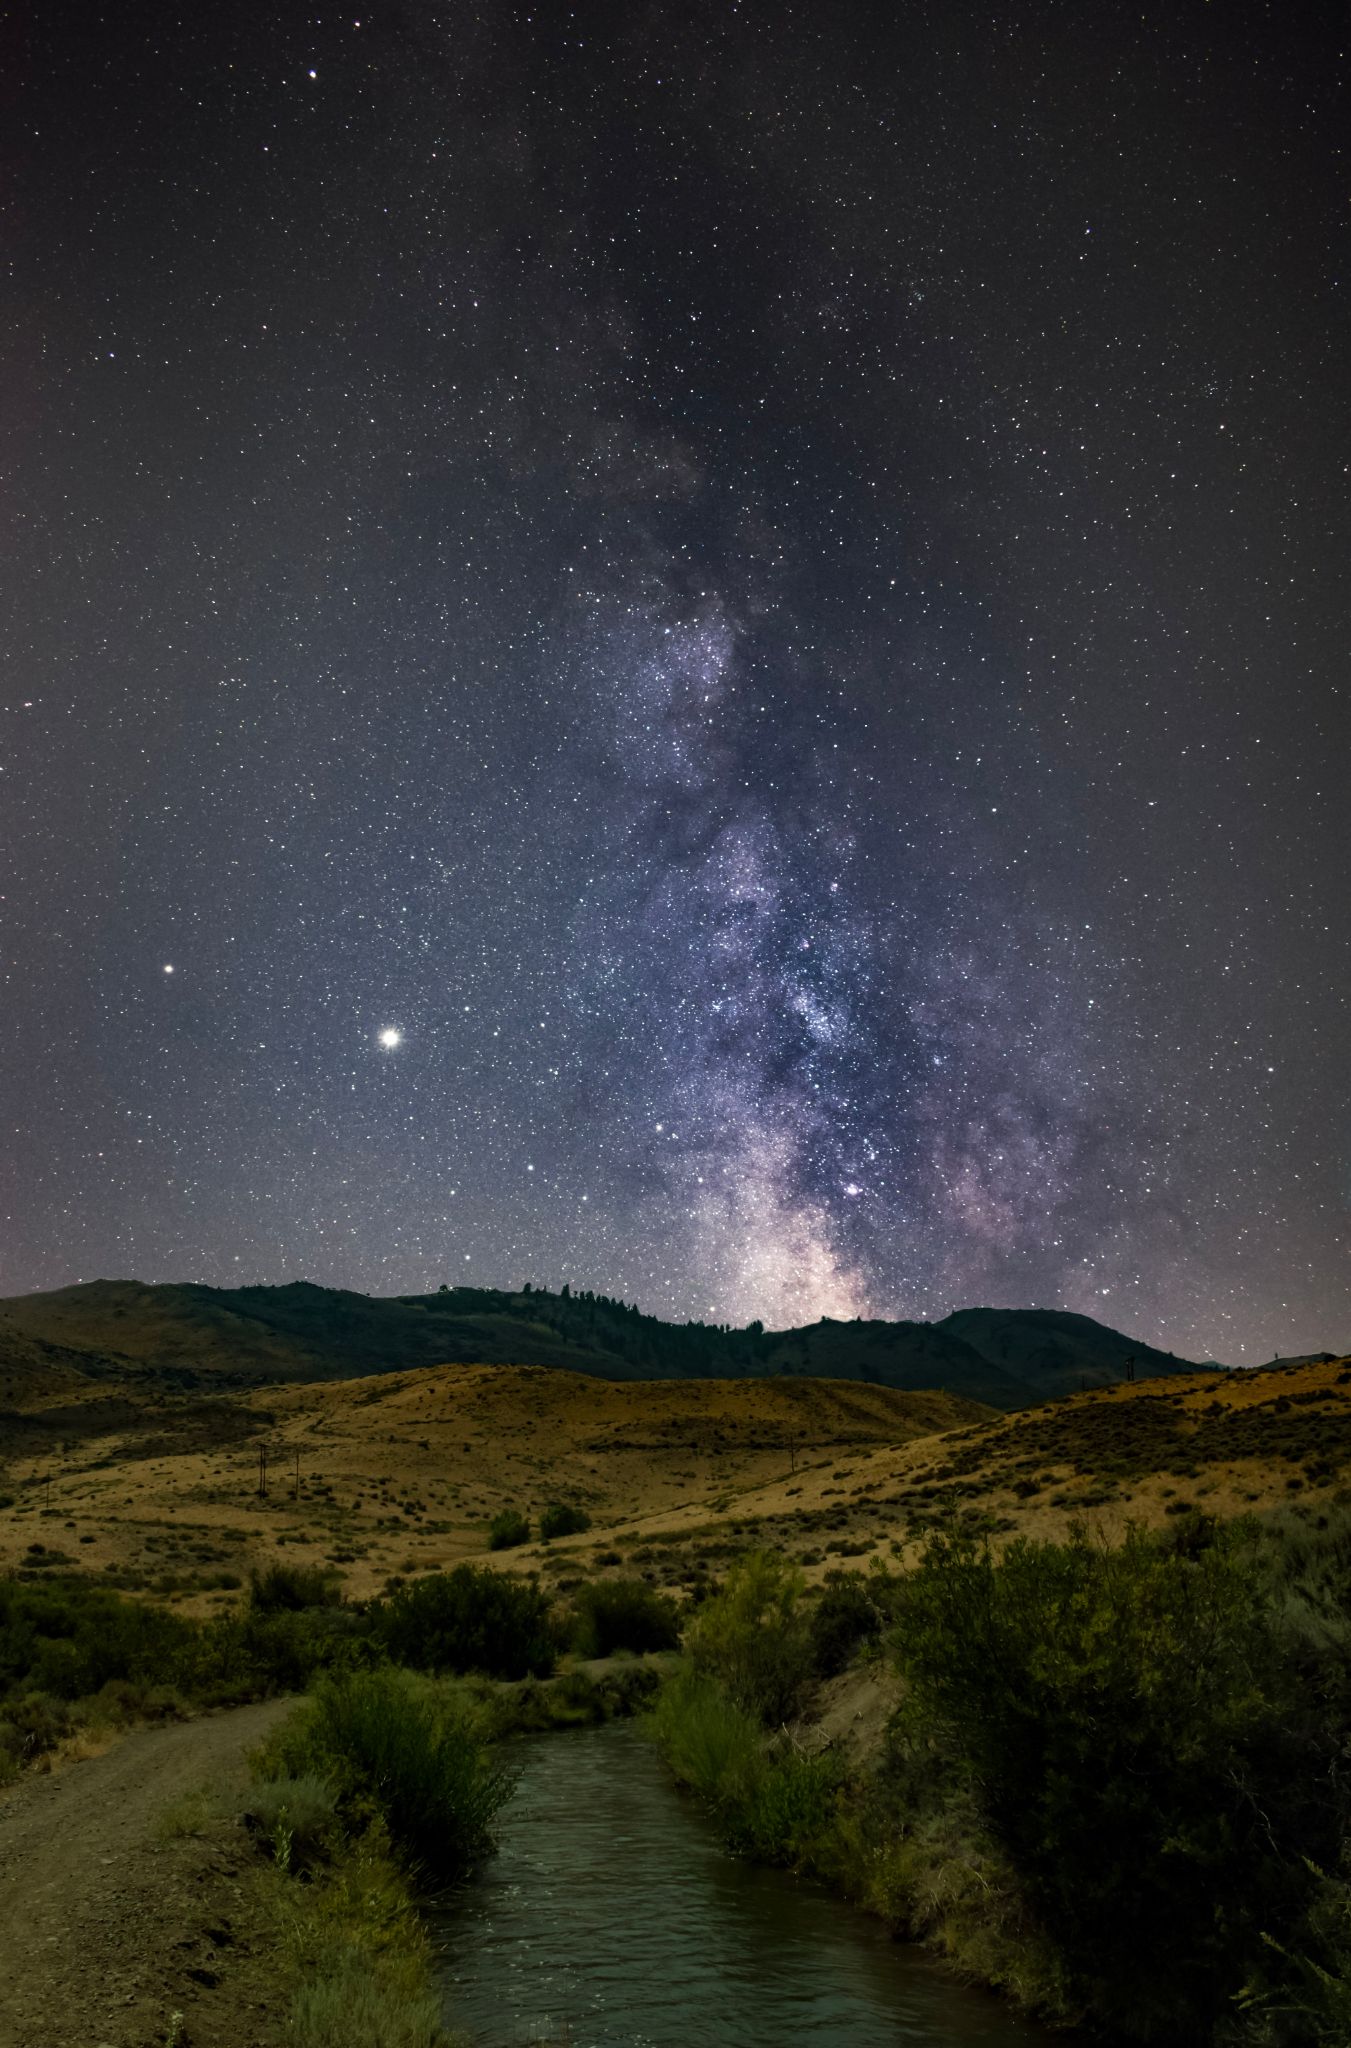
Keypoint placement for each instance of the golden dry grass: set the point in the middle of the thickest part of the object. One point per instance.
(401, 1473)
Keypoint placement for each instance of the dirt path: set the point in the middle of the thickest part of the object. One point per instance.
(123, 1898)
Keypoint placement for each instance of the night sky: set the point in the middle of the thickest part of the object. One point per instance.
(699, 649)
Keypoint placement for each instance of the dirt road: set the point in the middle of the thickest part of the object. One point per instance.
(123, 1900)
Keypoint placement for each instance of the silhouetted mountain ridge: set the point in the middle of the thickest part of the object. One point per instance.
(192, 1335)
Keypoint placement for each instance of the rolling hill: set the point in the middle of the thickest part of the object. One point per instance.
(206, 1338)
(1057, 1352)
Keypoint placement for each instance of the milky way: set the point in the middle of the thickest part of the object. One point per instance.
(695, 650)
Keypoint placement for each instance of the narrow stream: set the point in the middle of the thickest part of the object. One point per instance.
(611, 1918)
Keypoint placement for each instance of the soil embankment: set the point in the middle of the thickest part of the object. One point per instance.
(123, 1896)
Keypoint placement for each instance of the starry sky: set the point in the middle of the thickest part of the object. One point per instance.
(699, 649)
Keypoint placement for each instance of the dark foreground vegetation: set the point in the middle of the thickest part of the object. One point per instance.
(377, 1783)
(1116, 1784)
(1114, 1781)
(383, 1783)
(72, 1653)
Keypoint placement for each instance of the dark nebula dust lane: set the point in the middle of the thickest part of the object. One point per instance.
(698, 650)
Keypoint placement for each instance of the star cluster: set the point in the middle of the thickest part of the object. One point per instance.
(697, 650)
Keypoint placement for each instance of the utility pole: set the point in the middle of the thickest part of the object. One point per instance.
(262, 1469)
(295, 1491)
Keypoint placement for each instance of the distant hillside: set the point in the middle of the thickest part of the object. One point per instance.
(33, 1372)
(1058, 1353)
(192, 1336)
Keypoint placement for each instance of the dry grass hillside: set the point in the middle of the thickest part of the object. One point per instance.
(401, 1473)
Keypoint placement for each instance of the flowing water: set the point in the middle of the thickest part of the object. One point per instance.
(611, 1918)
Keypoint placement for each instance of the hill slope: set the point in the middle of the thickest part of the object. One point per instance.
(402, 1471)
(194, 1336)
(1054, 1352)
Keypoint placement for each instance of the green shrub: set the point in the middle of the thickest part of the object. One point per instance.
(753, 1637)
(288, 1588)
(122, 1701)
(560, 1518)
(75, 1642)
(69, 1640)
(622, 1614)
(507, 1530)
(296, 1817)
(1317, 1992)
(30, 1725)
(385, 1741)
(791, 1807)
(845, 1617)
(265, 1650)
(471, 1619)
(1143, 1749)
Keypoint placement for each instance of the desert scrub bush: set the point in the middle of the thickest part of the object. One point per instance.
(753, 1637)
(845, 1617)
(120, 1702)
(190, 1814)
(263, 1650)
(561, 1518)
(401, 1749)
(32, 1724)
(1150, 1742)
(471, 1619)
(288, 1588)
(68, 1640)
(622, 1614)
(296, 1817)
(507, 1530)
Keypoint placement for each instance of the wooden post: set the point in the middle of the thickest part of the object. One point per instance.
(295, 1494)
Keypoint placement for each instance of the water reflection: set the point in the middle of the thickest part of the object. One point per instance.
(612, 1918)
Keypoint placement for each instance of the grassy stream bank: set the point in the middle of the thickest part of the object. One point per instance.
(1113, 1784)
(381, 1789)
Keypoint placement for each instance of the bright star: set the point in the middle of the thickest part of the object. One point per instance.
(389, 1038)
